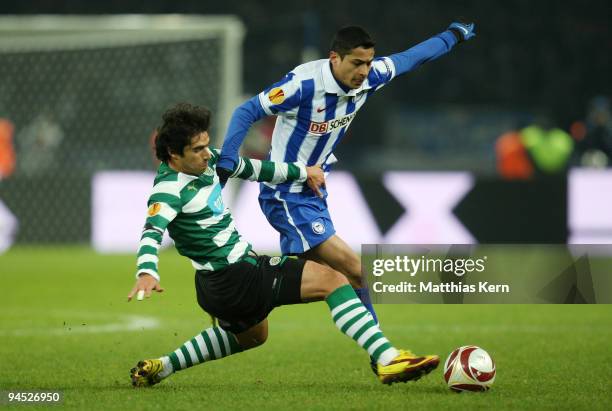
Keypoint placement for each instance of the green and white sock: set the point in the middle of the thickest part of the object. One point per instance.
(211, 344)
(354, 320)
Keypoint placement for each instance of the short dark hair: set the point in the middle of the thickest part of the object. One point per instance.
(350, 37)
(181, 124)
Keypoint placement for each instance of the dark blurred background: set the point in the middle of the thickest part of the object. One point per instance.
(531, 61)
(526, 100)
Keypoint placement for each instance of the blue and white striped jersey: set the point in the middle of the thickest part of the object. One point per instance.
(314, 111)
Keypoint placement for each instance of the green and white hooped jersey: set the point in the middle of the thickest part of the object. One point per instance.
(192, 209)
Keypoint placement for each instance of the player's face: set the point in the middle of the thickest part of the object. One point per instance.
(195, 156)
(352, 69)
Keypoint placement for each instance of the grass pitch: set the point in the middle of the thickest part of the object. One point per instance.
(65, 325)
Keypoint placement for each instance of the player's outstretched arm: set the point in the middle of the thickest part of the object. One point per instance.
(432, 48)
(269, 171)
(243, 118)
(281, 97)
(276, 172)
(164, 205)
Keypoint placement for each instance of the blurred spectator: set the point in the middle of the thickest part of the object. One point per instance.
(8, 222)
(533, 150)
(39, 142)
(594, 140)
(7, 151)
(550, 150)
(513, 162)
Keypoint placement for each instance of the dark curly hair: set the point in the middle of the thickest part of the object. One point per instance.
(180, 124)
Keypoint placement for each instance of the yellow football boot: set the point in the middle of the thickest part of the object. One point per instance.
(146, 373)
(407, 367)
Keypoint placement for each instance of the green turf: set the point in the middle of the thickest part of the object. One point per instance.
(59, 307)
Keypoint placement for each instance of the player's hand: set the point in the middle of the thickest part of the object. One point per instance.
(144, 286)
(224, 174)
(225, 167)
(315, 179)
(462, 31)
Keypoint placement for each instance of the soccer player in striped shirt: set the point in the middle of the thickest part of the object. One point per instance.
(233, 284)
(315, 104)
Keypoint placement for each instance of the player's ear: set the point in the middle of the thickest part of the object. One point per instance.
(173, 156)
(334, 57)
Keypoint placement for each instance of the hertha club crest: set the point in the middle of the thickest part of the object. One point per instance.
(318, 227)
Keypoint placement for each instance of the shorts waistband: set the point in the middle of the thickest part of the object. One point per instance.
(250, 258)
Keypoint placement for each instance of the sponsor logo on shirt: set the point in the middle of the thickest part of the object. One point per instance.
(276, 95)
(330, 125)
(215, 201)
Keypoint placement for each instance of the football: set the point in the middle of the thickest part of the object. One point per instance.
(469, 368)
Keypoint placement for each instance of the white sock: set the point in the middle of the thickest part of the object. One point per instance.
(168, 368)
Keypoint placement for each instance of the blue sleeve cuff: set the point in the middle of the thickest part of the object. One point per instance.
(449, 38)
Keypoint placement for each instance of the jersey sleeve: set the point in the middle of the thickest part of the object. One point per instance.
(269, 171)
(381, 73)
(281, 96)
(164, 205)
(423, 52)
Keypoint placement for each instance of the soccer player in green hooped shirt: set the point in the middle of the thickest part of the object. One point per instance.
(234, 284)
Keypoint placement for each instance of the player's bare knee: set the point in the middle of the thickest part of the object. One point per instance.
(259, 340)
(252, 341)
(318, 281)
(334, 280)
(261, 337)
(253, 337)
